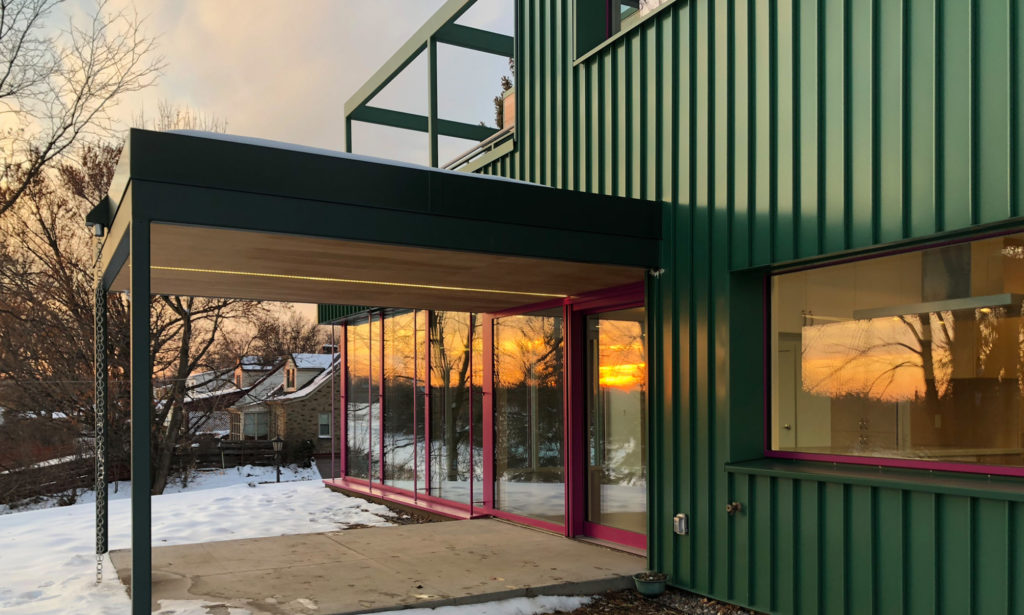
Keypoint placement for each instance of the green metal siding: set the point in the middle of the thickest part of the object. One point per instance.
(785, 130)
(327, 314)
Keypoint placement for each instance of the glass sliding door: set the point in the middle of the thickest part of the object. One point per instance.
(399, 392)
(357, 412)
(449, 405)
(529, 466)
(616, 406)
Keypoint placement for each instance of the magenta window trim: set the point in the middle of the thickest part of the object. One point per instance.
(884, 462)
(623, 537)
(574, 420)
(343, 395)
(389, 493)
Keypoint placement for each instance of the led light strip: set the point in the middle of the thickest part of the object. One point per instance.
(284, 276)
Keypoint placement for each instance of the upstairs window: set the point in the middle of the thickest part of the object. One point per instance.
(917, 357)
(597, 21)
(624, 13)
(289, 378)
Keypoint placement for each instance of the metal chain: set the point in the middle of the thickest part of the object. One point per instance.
(100, 342)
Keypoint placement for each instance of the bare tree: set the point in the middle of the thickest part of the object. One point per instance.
(56, 89)
(183, 330)
(46, 302)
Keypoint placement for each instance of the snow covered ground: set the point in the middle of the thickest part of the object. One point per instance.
(47, 556)
(48, 562)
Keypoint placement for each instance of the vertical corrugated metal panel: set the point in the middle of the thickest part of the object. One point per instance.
(777, 130)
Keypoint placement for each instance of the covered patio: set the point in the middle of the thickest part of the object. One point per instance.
(216, 216)
(364, 570)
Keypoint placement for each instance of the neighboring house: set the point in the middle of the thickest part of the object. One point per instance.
(207, 398)
(305, 412)
(263, 412)
(250, 370)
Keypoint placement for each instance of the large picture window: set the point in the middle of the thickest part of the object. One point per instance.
(915, 356)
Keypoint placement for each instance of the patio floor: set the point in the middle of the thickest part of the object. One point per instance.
(379, 569)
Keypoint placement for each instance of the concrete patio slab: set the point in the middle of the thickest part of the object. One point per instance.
(380, 569)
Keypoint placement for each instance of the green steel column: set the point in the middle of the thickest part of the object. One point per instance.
(432, 99)
(141, 399)
(348, 135)
(100, 413)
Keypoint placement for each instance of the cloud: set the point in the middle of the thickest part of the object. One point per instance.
(284, 70)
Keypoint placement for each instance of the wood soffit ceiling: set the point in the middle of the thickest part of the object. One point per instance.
(216, 262)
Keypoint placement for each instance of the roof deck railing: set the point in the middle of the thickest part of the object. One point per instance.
(440, 28)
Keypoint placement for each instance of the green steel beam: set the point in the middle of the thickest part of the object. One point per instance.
(420, 123)
(476, 39)
(141, 417)
(444, 16)
(432, 128)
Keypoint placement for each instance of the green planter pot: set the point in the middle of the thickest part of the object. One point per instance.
(650, 583)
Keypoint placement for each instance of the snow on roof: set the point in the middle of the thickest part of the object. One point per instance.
(305, 360)
(314, 384)
(251, 362)
(305, 149)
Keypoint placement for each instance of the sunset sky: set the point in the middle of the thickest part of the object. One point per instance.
(283, 70)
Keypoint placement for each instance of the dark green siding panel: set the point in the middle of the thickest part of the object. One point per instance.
(809, 134)
(990, 575)
(921, 112)
(833, 104)
(888, 565)
(1015, 531)
(954, 553)
(786, 221)
(992, 163)
(740, 544)
(763, 519)
(861, 550)
(761, 150)
(809, 566)
(956, 83)
(736, 172)
(334, 313)
(860, 125)
(783, 563)
(834, 520)
(889, 115)
(919, 524)
(777, 130)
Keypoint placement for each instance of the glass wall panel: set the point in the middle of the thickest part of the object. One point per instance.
(357, 391)
(420, 351)
(373, 396)
(399, 389)
(449, 405)
(477, 370)
(914, 356)
(617, 420)
(528, 415)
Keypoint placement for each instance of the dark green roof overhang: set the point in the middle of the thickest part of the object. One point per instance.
(250, 185)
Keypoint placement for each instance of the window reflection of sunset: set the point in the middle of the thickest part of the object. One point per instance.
(621, 355)
(877, 358)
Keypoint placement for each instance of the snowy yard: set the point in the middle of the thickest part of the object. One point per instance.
(47, 556)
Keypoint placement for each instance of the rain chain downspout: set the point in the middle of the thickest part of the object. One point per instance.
(100, 411)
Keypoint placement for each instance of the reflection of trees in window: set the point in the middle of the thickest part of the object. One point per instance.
(449, 356)
(357, 391)
(958, 371)
(399, 387)
(528, 390)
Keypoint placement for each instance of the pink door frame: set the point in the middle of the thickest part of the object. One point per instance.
(574, 312)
